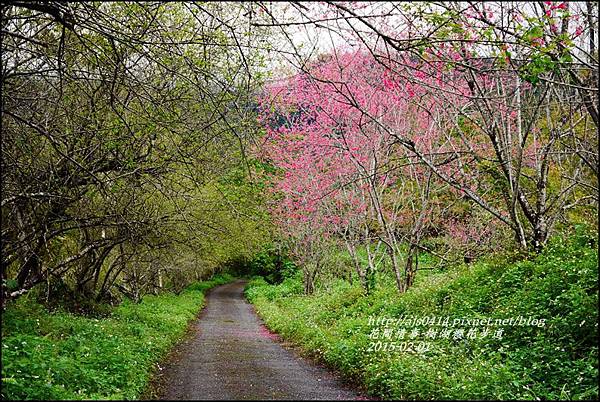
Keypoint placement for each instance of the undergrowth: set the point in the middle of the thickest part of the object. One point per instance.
(60, 355)
(558, 360)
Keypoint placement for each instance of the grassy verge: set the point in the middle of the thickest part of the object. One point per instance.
(64, 356)
(556, 361)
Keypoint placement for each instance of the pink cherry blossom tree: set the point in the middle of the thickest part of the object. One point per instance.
(509, 91)
(340, 171)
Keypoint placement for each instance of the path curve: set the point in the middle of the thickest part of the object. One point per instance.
(231, 355)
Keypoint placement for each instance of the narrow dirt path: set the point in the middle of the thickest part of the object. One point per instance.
(231, 355)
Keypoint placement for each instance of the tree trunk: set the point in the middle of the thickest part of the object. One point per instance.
(400, 284)
(360, 272)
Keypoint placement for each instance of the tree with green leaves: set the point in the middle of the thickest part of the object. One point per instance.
(120, 121)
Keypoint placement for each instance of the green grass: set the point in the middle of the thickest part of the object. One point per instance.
(557, 361)
(64, 356)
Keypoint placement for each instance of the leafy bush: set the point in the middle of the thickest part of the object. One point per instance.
(271, 264)
(557, 361)
(64, 356)
(289, 287)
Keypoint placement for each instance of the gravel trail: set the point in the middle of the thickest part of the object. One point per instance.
(231, 355)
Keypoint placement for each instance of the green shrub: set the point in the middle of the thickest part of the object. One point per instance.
(557, 361)
(64, 356)
(271, 264)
